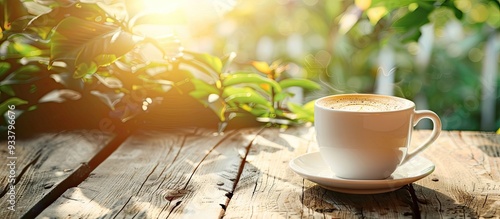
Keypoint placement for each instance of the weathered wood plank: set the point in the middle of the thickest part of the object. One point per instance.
(159, 175)
(42, 163)
(270, 189)
(194, 174)
(466, 182)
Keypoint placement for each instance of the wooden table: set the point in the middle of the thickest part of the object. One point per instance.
(194, 173)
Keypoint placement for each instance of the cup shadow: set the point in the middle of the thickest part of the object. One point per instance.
(410, 200)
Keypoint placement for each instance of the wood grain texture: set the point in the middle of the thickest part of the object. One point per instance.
(43, 163)
(183, 173)
(466, 182)
(464, 185)
(270, 189)
(192, 173)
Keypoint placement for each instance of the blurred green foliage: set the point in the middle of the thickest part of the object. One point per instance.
(438, 50)
(340, 43)
(60, 51)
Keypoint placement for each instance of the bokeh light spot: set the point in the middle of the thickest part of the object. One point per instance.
(413, 48)
(363, 4)
(479, 13)
(475, 55)
(375, 14)
(494, 18)
(412, 6)
(463, 5)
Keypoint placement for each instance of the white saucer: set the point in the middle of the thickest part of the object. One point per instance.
(312, 167)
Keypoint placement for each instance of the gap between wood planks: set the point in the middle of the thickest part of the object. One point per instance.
(86, 168)
(78, 176)
(229, 195)
(413, 201)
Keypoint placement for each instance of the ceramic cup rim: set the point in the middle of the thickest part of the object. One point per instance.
(407, 104)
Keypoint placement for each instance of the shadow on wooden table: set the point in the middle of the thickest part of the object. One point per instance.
(490, 150)
(398, 203)
(77, 115)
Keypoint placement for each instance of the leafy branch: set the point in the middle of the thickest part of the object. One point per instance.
(84, 50)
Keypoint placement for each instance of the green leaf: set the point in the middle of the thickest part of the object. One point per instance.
(84, 69)
(305, 112)
(416, 18)
(8, 90)
(18, 46)
(299, 82)
(256, 111)
(4, 68)
(247, 98)
(4, 107)
(281, 96)
(105, 59)
(208, 95)
(409, 25)
(26, 50)
(310, 105)
(11, 11)
(262, 67)
(31, 108)
(203, 61)
(25, 74)
(83, 41)
(250, 78)
(241, 96)
(199, 95)
(43, 24)
(202, 86)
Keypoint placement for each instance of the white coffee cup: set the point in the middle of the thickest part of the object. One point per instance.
(366, 136)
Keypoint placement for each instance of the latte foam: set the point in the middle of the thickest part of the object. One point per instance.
(365, 103)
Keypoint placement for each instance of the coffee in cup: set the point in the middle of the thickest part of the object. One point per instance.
(366, 136)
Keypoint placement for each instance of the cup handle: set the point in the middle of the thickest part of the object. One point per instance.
(436, 130)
